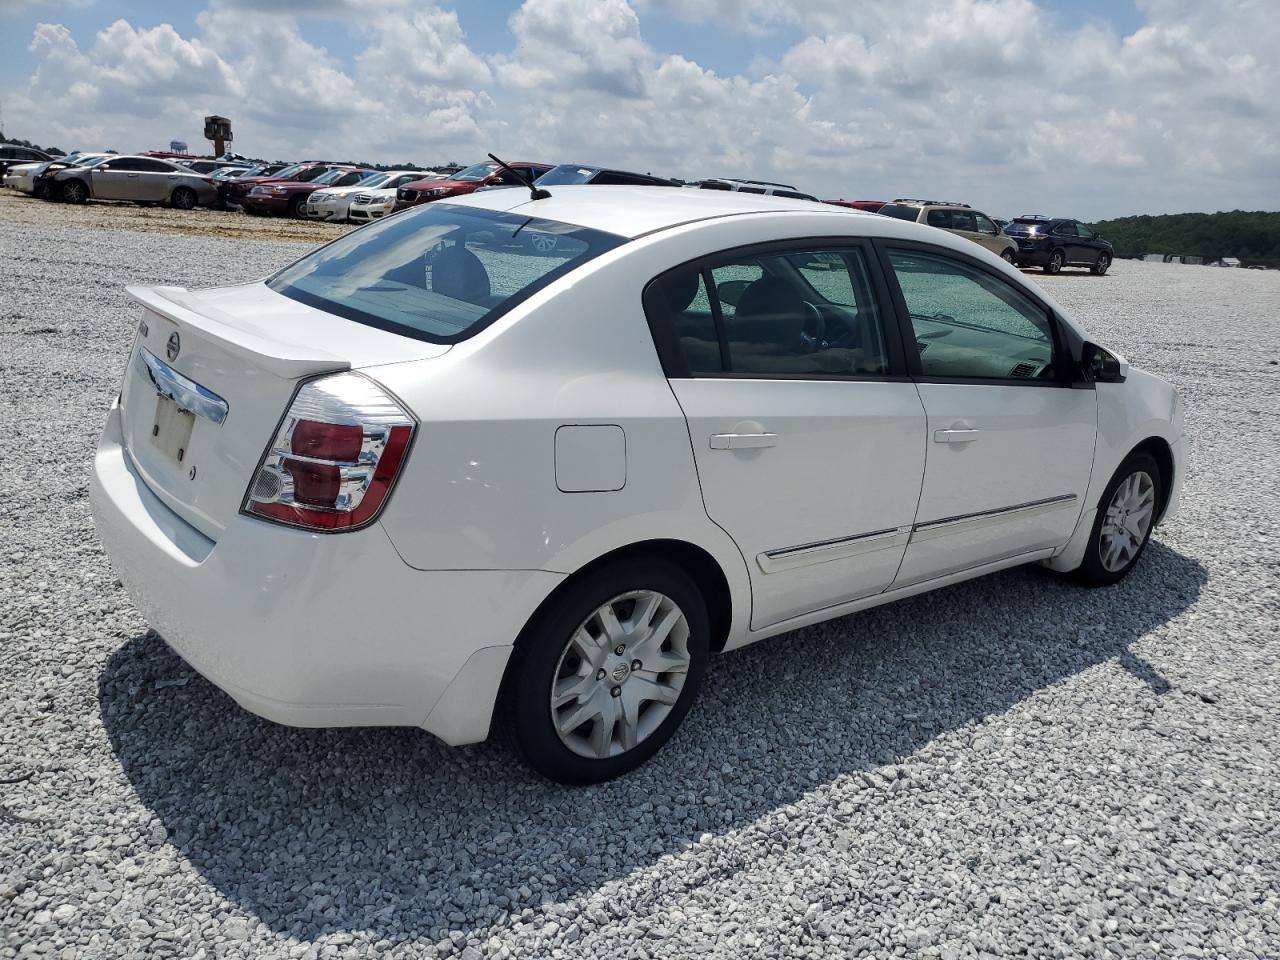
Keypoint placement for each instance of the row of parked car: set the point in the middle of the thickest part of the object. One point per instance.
(343, 192)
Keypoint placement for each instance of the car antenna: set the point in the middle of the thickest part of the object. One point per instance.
(535, 193)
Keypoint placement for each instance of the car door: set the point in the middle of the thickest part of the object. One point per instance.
(988, 234)
(807, 436)
(156, 180)
(1090, 246)
(115, 179)
(1066, 237)
(1010, 441)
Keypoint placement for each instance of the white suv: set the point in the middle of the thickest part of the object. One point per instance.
(432, 470)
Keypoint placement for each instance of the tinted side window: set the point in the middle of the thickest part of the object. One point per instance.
(7, 153)
(151, 166)
(963, 220)
(939, 218)
(970, 324)
(1067, 229)
(124, 163)
(900, 212)
(795, 312)
(1085, 231)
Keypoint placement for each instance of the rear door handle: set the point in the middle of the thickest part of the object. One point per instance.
(955, 436)
(743, 441)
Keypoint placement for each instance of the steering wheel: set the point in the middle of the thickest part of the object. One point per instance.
(814, 335)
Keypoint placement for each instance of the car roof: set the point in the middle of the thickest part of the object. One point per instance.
(631, 211)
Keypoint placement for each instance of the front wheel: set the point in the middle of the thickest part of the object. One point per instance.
(1057, 260)
(1100, 268)
(75, 191)
(605, 675)
(1125, 519)
(298, 208)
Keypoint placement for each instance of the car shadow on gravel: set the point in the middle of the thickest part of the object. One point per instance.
(389, 833)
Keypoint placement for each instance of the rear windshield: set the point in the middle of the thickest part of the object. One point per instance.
(900, 212)
(566, 173)
(1026, 226)
(440, 272)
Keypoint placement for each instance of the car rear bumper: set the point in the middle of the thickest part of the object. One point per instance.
(308, 629)
(328, 210)
(1031, 256)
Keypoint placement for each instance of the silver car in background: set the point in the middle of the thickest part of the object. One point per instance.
(140, 179)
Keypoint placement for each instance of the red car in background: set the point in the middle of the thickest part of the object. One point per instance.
(871, 206)
(486, 174)
(298, 172)
(289, 197)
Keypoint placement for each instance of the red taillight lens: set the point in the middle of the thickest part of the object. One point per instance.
(329, 441)
(335, 457)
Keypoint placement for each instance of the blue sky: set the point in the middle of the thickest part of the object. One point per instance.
(1100, 106)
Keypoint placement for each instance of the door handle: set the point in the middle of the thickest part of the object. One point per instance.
(743, 441)
(955, 436)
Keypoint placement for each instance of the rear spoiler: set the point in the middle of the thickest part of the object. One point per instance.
(291, 361)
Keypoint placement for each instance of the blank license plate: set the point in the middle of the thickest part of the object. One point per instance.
(171, 431)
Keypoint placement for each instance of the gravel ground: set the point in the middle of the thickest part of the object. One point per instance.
(18, 207)
(1009, 767)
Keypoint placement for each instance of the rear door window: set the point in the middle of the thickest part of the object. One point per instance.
(794, 312)
(441, 273)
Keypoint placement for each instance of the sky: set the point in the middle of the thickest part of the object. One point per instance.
(1084, 108)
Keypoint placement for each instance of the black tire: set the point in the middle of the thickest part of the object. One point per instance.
(1101, 266)
(75, 191)
(1093, 572)
(534, 667)
(41, 191)
(1008, 257)
(1057, 260)
(183, 198)
(297, 208)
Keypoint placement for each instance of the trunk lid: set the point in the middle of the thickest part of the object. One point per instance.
(211, 374)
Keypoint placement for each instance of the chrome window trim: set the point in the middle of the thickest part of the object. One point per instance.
(841, 548)
(186, 393)
(986, 518)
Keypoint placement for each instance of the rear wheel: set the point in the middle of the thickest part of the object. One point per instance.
(1007, 256)
(605, 675)
(75, 191)
(1057, 260)
(1125, 519)
(1104, 261)
(183, 198)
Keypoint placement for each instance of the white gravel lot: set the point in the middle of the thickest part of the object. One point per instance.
(1009, 767)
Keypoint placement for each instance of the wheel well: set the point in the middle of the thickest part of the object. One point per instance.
(1160, 452)
(693, 560)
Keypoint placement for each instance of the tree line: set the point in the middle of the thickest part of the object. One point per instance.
(1251, 235)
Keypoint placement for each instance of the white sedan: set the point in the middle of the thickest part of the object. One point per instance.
(432, 473)
(369, 205)
(334, 203)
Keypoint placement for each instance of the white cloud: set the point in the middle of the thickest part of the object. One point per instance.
(994, 101)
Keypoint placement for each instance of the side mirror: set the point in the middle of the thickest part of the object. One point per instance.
(1103, 366)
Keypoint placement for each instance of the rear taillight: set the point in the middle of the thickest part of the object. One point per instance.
(335, 457)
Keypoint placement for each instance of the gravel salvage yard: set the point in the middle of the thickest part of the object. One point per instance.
(1009, 767)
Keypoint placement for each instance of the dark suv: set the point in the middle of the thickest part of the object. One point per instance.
(1057, 242)
(11, 154)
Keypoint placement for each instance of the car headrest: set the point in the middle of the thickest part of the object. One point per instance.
(456, 272)
(769, 310)
(679, 288)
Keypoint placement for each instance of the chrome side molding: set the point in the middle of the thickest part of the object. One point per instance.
(183, 391)
(987, 518)
(788, 558)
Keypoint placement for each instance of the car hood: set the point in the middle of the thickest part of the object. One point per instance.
(447, 184)
(340, 191)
